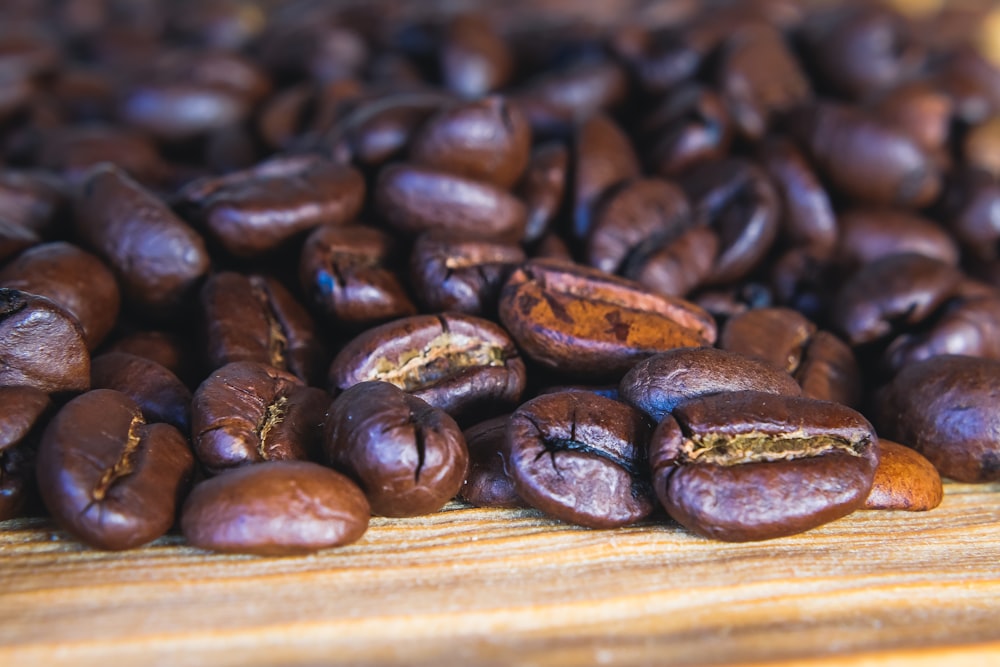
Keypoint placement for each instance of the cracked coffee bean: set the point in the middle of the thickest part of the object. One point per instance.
(408, 457)
(160, 395)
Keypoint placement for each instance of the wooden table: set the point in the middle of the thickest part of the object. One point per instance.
(479, 587)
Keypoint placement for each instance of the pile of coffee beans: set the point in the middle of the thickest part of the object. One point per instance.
(269, 268)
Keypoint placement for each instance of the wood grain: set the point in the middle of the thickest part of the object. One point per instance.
(478, 587)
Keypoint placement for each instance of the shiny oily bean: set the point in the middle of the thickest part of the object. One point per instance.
(543, 188)
(904, 480)
(580, 457)
(553, 99)
(677, 266)
(871, 233)
(487, 484)
(23, 408)
(745, 466)
(474, 59)
(690, 126)
(461, 364)
(279, 508)
(580, 320)
(969, 327)
(107, 476)
(160, 395)
(603, 159)
(659, 384)
(247, 412)
(165, 348)
(34, 200)
(408, 457)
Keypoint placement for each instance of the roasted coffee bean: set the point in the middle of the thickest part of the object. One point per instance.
(474, 60)
(461, 272)
(971, 81)
(776, 335)
(254, 318)
(922, 111)
(744, 466)
(868, 234)
(414, 199)
(945, 408)
(641, 215)
(982, 146)
(408, 457)
(969, 327)
(17, 480)
(866, 158)
(157, 258)
(73, 151)
(828, 371)
(346, 272)
(740, 204)
(72, 278)
(166, 349)
(256, 210)
(760, 77)
(584, 322)
(581, 458)
(659, 384)
(553, 99)
(894, 291)
(461, 364)
(23, 408)
(34, 200)
(970, 207)
(487, 140)
(247, 412)
(543, 187)
(175, 111)
(487, 484)
(904, 480)
(160, 395)
(14, 238)
(41, 345)
(603, 158)
(678, 266)
(279, 508)
(107, 476)
(807, 218)
(689, 126)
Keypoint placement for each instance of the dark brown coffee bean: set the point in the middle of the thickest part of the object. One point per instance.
(461, 364)
(971, 81)
(677, 266)
(689, 126)
(981, 147)
(828, 371)
(807, 217)
(474, 60)
(408, 457)
(580, 457)
(487, 140)
(779, 336)
(17, 481)
(254, 318)
(73, 151)
(603, 159)
(543, 187)
(34, 200)
(247, 412)
(747, 466)
(922, 111)
(166, 349)
(41, 345)
(23, 408)
(892, 291)
(157, 258)
(174, 111)
(414, 199)
(646, 213)
(552, 246)
(580, 320)
(945, 408)
(14, 238)
(487, 484)
(461, 272)
(760, 77)
(738, 201)
(866, 158)
(256, 210)
(553, 99)
(160, 395)
(279, 508)
(868, 234)
(969, 327)
(107, 476)
(904, 480)
(75, 280)
(659, 384)
(970, 208)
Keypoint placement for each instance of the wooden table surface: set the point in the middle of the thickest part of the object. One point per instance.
(482, 587)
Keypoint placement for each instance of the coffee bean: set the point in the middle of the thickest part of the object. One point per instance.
(165, 348)
(969, 327)
(543, 187)
(41, 345)
(17, 481)
(409, 457)
(688, 127)
(944, 407)
(777, 335)
(659, 384)
(744, 466)
(461, 364)
(23, 409)
(678, 266)
(73, 152)
(922, 111)
(868, 234)
(174, 111)
(487, 483)
(603, 159)
(34, 200)
(254, 318)
(580, 457)
(74, 279)
(107, 476)
(160, 395)
(582, 321)
(157, 258)
(474, 59)
(487, 140)
(829, 371)
(970, 206)
(256, 210)
(982, 146)
(14, 238)
(279, 508)
(414, 199)
(904, 480)
(553, 99)
(247, 412)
